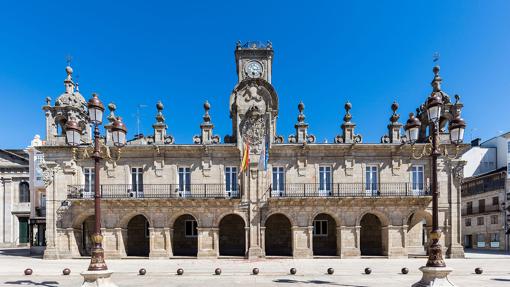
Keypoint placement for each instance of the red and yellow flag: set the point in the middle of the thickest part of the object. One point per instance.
(245, 162)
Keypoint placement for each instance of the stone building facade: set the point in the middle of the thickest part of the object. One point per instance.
(14, 198)
(296, 197)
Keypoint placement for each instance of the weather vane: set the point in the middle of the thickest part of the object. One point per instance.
(435, 57)
(69, 59)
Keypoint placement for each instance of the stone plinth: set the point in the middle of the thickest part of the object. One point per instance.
(434, 277)
(97, 279)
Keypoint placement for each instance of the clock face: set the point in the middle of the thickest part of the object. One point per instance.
(253, 69)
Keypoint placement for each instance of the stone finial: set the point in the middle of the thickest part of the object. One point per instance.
(111, 107)
(206, 136)
(347, 126)
(436, 82)
(48, 101)
(160, 134)
(68, 82)
(394, 127)
(301, 126)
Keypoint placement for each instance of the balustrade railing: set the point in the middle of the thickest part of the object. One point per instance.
(154, 191)
(347, 190)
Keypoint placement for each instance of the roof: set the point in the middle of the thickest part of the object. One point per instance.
(501, 169)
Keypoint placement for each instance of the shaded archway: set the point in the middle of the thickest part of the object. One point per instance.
(232, 241)
(324, 235)
(419, 225)
(278, 236)
(138, 236)
(184, 239)
(83, 233)
(371, 242)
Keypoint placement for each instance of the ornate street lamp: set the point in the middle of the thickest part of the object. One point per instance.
(435, 270)
(73, 133)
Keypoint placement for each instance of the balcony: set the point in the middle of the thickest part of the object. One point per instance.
(486, 209)
(347, 190)
(156, 191)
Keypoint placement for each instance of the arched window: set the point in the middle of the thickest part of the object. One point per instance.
(24, 192)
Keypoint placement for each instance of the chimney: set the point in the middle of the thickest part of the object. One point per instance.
(476, 142)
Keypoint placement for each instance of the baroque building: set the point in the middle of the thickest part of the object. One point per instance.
(293, 197)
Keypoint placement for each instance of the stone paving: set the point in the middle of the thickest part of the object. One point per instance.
(273, 272)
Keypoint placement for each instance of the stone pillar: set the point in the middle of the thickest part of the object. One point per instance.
(71, 241)
(254, 184)
(301, 247)
(168, 241)
(262, 243)
(339, 240)
(122, 236)
(246, 241)
(396, 241)
(51, 251)
(206, 247)
(157, 243)
(350, 238)
(6, 202)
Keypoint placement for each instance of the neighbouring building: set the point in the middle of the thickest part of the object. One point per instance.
(485, 194)
(37, 221)
(297, 197)
(14, 198)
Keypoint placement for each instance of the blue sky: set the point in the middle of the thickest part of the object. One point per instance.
(182, 53)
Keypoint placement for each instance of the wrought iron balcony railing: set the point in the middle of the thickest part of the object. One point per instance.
(154, 191)
(347, 190)
(485, 209)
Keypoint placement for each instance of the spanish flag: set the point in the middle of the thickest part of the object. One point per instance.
(246, 157)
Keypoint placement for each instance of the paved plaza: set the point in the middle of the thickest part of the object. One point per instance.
(273, 272)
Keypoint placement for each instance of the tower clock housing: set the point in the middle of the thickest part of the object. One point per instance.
(254, 60)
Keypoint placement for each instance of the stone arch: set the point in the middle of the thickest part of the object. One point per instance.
(325, 241)
(290, 218)
(372, 239)
(124, 220)
(222, 215)
(232, 235)
(137, 240)
(337, 219)
(83, 228)
(419, 224)
(271, 99)
(185, 235)
(278, 235)
(175, 216)
(385, 220)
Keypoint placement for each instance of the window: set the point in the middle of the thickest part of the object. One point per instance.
(190, 228)
(42, 200)
(481, 205)
(38, 160)
(417, 179)
(495, 200)
(480, 240)
(278, 181)
(24, 192)
(494, 219)
(494, 237)
(469, 207)
(508, 146)
(184, 181)
(137, 181)
(371, 181)
(468, 221)
(231, 180)
(325, 182)
(89, 181)
(479, 220)
(320, 228)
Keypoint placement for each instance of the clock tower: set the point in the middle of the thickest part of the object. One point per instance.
(254, 60)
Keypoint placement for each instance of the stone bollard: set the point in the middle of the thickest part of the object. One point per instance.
(331, 271)
(405, 270)
(28, 271)
(478, 270)
(255, 271)
(368, 270)
(180, 271)
(142, 271)
(217, 271)
(66, 271)
(293, 271)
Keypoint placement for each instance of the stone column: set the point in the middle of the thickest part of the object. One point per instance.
(157, 243)
(206, 247)
(254, 186)
(301, 247)
(350, 238)
(339, 241)
(396, 241)
(51, 251)
(262, 241)
(6, 200)
(168, 241)
(122, 237)
(71, 241)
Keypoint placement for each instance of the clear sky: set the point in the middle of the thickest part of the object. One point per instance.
(182, 53)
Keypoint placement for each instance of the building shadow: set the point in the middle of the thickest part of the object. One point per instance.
(501, 279)
(317, 282)
(30, 282)
(21, 252)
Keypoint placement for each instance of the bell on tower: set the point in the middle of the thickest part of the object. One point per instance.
(254, 60)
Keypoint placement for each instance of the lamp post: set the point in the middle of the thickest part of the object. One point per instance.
(73, 135)
(435, 269)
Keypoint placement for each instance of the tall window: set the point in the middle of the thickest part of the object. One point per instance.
(89, 181)
(417, 179)
(320, 228)
(137, 181)
(468, 221)
(481, 205)
(479, 220)
(184, 181)
(494, 219)
(278, 185)
(325, 183)
(24, 192)
(371, 184)
(495, 237)
(231, 180)
(469, 207)
(42, 200)
(190, 228)
(495, 200)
